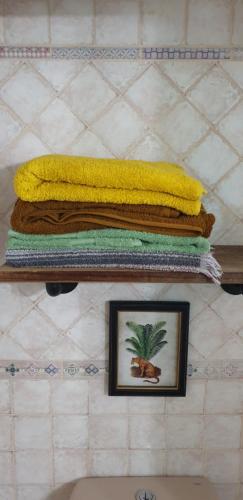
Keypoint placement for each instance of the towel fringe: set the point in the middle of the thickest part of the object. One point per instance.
(210, 267)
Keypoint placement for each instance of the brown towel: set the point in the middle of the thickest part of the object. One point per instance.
(59, 217)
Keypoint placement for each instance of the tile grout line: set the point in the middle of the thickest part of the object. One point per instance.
(232, 19)
(140, 22)
(13, 437)
(186, 21)
(52, 436)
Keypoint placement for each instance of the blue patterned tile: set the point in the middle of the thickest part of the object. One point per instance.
(12, 369)
(92, 369)
(95, 53)
(51, 370)
(184, 53)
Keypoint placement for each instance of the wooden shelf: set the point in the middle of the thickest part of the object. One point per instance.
(230, 258)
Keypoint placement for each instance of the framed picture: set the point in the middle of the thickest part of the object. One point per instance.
(148, 348)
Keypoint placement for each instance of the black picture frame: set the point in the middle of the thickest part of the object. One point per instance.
(178, 390)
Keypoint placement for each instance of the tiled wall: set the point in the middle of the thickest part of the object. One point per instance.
(125, 22)
(56, 422)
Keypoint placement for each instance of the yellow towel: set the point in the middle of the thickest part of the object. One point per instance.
(70, 178)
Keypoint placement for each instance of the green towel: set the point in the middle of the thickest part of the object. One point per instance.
(104, 239)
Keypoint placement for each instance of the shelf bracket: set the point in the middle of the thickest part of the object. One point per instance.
(233, 288)
(55, 289)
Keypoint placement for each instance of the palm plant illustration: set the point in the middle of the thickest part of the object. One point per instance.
(147, 341)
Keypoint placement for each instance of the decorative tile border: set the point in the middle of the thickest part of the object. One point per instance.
(95, 53)
(216, 369)
(25, 52)
(51, 369)
(92, 368)
(184, 53)
(122, 53)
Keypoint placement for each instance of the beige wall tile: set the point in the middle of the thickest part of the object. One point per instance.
(189, 124)
(224, 396)
(70, 431)
(100, 403)
(34, 340)
(241, 465)
(32, 433)
(34, 464)
(69, 465)
(208, 340)
(5, 396)
(233, 236)
(119, 127)
(7, 492)
(10, 350)
(88, 94)
(121, 73)
(71, 23)
(5, 433)
(21, 91)
(180, 291)
(221, 94)
(110, 15)
(227, 491)
(57, 72)
(193, 402)
(232, 349)
(147, 462)
(26, 146)
(152, 148)
(185, 463)
(64, 349)
(234, 69)
(222, 431)
(10, 128)
(224, 217)
(31, 396)
(62, 313)
(152, 94)
(231, 127)
(1, 22)
(223, 466)
(229, 310)
(70, 396)
(108, 432)
(184, 431)
(183, 74)
(209, 22)
(109, 463)
(142, 435)
(237, 37)
(91, 345)
(163, 22)
(138, 406)
(58, 126)
(26, 23)
(211, 159)
(6, 468)
(88, 144)
(28, 492)
(233, 183)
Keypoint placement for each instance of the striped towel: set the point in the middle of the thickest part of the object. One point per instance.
(178, 262)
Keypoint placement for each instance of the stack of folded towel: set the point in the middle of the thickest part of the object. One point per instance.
(88, 212)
